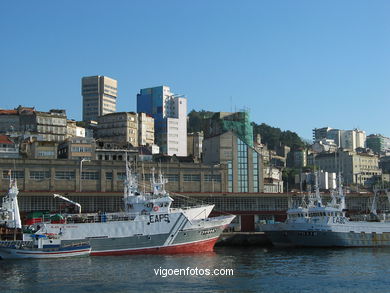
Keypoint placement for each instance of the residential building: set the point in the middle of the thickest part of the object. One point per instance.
(245, 169)
(324, 146)
(77, 148)
(320, 133)
(299, 158)
(385, 164)
(46, 126)
(356, 168)
(378, 143)
(8, 148)
(194, 144)
(345, 139)
(121, 127)
(99, 96)
(273, 182)
(115, 151)
(23, 121)
(73, 130)
(10, 121)
(36, 149)
(145, 129)
(170, 118)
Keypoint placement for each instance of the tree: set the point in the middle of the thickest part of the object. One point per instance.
(273, 137)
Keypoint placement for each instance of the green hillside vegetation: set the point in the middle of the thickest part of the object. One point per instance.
(271, 136)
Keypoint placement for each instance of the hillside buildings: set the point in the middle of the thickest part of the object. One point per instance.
(99, 96)
(345, 139)
(44, 126)
(357, 168)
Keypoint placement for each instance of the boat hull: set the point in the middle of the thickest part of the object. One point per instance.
(195, 247)
(313, 238)
(20, 253)
(338, 239)
(186, 241)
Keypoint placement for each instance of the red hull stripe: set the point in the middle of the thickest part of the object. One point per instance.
(51, 253)
(195, 247)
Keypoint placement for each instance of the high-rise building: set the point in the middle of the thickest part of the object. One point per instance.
(99, 96)
(170, 118)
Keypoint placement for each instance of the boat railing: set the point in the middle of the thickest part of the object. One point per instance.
(16, 243)
(99, 218)
(75, 244)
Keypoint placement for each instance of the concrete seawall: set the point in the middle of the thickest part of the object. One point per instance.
(243, 239)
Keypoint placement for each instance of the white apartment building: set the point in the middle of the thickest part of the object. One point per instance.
(346, 139)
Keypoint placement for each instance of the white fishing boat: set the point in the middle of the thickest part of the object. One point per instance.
(326, 225)
(33, 245)
(42, 246)
(148, 224)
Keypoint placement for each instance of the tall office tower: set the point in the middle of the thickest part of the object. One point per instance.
(170, 118)
(99, 96)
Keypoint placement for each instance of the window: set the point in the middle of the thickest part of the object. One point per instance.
(230, 176)
(255, 172)
(90, 175)
(45, 153)
(65, 175)
(39, 175)
(108, 175)
(14, 174)
(121, 175)
(79, 149)
(172, 177)
(209, 178)
(242, 158)
(191, 177)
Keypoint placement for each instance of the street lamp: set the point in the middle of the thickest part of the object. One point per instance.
(81, 169)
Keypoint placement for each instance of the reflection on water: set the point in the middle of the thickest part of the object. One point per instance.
(255, 270)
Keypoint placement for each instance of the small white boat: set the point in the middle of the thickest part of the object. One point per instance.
(42, 246)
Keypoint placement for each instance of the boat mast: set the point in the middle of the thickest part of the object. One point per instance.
(13, 197)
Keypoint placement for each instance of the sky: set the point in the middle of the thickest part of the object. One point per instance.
(296, 65)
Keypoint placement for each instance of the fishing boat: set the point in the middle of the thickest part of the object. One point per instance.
(148, 224)
(326, 225)
(32, 245)
(42, 246)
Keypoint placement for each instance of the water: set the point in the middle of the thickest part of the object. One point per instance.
(255, 270)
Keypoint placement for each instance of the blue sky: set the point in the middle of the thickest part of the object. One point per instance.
(296, 65)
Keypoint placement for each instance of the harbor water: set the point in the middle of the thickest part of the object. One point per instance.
(239, 270)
